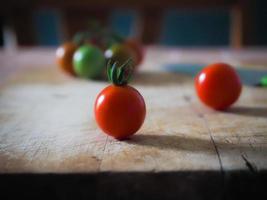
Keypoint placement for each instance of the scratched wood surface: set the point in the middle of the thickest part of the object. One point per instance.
(47, 122)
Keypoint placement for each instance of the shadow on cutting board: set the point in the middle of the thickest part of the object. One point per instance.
(182, 143)
(248, 111)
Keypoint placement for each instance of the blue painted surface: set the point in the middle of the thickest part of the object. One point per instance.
(248, 76)
(122, 21)
(183, 28)
(196, 28)
(47, 25)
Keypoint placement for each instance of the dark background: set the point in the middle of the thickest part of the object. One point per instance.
(230, 23)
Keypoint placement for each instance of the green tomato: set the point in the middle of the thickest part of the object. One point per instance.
(120, 53)
(89, 61)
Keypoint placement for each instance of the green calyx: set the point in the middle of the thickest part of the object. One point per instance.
(99, 33)
(80, 37)
(119, 75)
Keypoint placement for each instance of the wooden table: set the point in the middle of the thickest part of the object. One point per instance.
(184, 148)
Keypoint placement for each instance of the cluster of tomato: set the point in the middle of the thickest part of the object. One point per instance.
(119, 108)
(87, 55)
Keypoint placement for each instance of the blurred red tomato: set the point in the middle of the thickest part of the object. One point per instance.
(137, 48)
(64, 55)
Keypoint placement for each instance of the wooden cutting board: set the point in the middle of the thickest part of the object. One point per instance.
(47, 125)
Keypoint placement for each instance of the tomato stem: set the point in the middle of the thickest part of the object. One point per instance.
(119, 75)
(97, 32)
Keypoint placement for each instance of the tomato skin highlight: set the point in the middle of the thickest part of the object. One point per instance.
(120, 111)
(64, 55)
(218, 86)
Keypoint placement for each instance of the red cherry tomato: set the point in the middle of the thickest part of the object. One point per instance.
(120, 111)
(64, 55)
(218, 86)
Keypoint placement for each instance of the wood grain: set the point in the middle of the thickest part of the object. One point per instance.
(47, 125)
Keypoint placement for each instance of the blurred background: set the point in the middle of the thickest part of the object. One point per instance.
(185, 23)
